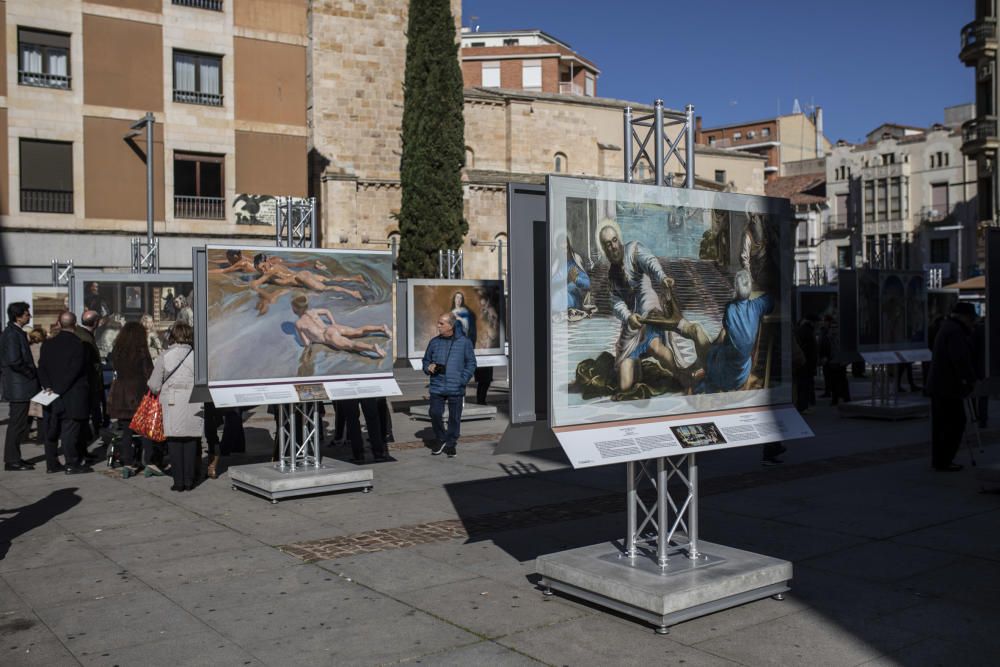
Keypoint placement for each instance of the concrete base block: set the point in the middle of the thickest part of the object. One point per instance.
(269, 481)
(901, 409)
(471, 412)
(720, 578)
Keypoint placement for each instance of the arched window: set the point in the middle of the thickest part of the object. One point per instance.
(470, 158)
(561, 165)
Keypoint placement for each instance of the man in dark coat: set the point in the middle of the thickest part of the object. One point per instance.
(951, 380)
(450, 361)
(20, 382)
(95, 375)
(63, 368)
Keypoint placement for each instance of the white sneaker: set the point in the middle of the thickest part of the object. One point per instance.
(438, 450)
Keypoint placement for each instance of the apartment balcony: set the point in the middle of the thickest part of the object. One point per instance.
(570, 88)
(979, 136)
(979, 40)
(46, 201)
(900, 169)
(837, 227)
(41, 80)
(199, 208)
(213, 5)
(930, 216)
(194, 97)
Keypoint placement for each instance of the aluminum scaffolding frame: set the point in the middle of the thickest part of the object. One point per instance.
(640, 130)
(61, 271)
(299, 424)
(145, 254)
(669, 526)
(451, 264)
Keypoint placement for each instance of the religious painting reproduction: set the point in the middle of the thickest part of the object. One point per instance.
(665, 302)
(282, 314)
(478, 306)
(892, 310)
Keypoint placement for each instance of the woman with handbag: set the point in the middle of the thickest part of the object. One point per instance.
(173, 380)
(132, 364)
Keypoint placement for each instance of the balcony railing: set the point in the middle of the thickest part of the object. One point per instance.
(570, 88)
(838, 226)
(214, 5)
(43, 80)
(46, 201)
(979, 129)
(980, 34)
(199, 208)
(931, 215)
(194, 97)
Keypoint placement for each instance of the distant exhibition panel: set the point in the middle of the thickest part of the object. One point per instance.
(478, 305)
(669, 305)
(284, 315)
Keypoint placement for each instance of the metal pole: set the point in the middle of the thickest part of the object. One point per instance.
(500, 275)
(662, 532)
(293, 436)
(150, 121)
(631, 497)
(693, 507)
(313, 235)
(627, 144)
(658, 140)
(689, 147)
(317, 426)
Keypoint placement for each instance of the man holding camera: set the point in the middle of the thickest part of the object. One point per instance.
(450, 362)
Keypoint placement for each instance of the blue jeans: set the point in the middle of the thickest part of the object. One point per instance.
(448, 438)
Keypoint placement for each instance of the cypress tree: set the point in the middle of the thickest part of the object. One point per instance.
(430, 167)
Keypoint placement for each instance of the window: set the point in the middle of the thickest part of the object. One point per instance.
(197, 78)
(199, 186)
(869, 201)
(844, 257)
(939, 199)
(895, 198)
(214, 5)
(711, 140)
(765, 132)
(940, 251)
(531, 74)
(720, 175)
(43, 59)
(888, 158)
(737, 135)
(751, 134)
(560, 163)
(46, 176)
(477, 44)
(514, 41)
(946, 159)
(491, 75)
(588, 84)
(470, 158)
(881, 199)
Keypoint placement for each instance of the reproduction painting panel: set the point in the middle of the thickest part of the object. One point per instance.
(892, 310)
(117, 299)
(283, 314)
(46, 304)
(478, 306)
(666, 302)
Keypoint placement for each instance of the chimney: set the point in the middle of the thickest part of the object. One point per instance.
(697, 123)
(819, 131)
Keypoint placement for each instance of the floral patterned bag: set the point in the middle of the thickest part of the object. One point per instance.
(148, 418)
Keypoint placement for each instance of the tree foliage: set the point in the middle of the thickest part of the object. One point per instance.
(430, 216)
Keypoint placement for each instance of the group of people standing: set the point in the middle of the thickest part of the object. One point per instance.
(64, 373)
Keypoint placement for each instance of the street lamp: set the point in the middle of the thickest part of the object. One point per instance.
(150, 260)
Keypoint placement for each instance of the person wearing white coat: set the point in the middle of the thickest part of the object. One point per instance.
(183, 423)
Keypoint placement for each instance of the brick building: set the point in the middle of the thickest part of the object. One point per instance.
(528, 60)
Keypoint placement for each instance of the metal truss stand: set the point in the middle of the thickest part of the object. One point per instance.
(885, 402)
(300, 469)
(61, 271)
(663, 573)
(640, 130)
(145, 255)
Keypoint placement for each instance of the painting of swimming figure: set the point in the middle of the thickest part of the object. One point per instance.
(287, 314)
(478, 306)
(665, 301)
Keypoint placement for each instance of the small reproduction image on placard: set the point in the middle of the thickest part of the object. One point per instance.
(698, 435)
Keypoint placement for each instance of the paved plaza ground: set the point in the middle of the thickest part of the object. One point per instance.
(894, 564)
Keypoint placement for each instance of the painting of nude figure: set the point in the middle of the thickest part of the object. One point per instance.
(284, 314)
(665, 301)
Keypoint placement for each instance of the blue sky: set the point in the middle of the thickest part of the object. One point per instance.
(864, 62)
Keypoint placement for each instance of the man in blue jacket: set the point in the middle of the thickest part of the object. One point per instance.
(450, 361)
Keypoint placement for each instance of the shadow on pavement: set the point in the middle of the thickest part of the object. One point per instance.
(32, 516)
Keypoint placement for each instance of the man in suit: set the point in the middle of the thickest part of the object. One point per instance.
(63, 368)
(20, 382)
(95, 375)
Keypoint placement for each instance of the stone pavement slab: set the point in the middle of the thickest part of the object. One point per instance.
(73, 583)
(481, 653)
(24, 640)
(202, 649)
